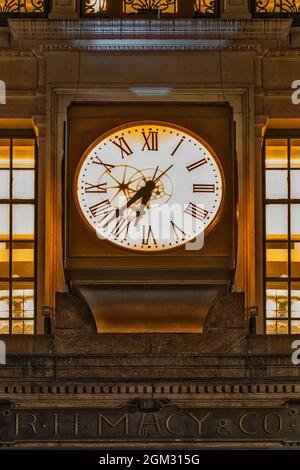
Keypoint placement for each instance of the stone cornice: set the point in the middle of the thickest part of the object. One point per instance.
(147, 46)
(56, 31)
(150, 46)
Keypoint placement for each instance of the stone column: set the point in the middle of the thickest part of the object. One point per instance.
(64, 9)
(38, 122)
(260, 126)
(236, 10)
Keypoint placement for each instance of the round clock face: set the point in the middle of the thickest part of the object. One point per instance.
(149, 186)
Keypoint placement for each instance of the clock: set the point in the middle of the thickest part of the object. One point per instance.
(149, 186)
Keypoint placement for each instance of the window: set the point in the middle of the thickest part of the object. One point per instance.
(207, 8)
(17, 233)
(146, 6)
(150, 8)
(282, 234)
(93, 7)
(276, 8)
(26, 8)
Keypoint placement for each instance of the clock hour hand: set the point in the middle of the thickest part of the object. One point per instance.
(141, 193)
(141, 211)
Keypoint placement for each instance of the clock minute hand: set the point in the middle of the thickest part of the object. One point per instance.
(162, 174)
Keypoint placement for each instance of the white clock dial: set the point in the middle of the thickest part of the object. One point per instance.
(149, 186)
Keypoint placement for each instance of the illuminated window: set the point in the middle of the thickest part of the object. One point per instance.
(276, 8)
(17, 234)
(282, 234)
(207, 7)
(146, 6)
(93, 7)
(30, 8)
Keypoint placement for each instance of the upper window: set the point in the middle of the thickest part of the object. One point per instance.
(17, 234)
(26, 8)
(156, 8)
(276, 8)
(145, 6)
(282, 234)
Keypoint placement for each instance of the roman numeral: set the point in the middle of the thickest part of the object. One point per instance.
(177, 147)
(102, 208)
(195, 211)
(107, 166)
(151, 141)
(195, 165)
(179, 233)
(121, 225)
(203, 188)
(95, 188)
(123, 146)
(148, 235)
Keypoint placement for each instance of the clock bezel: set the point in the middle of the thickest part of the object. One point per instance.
(121, 127)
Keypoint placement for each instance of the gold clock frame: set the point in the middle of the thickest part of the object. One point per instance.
(140, 123)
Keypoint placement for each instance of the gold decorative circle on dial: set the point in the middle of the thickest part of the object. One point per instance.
(149, 186)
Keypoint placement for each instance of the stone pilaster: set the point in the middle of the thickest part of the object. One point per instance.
(236, 9)
(64, 9)
(260, 126)
(39, 126)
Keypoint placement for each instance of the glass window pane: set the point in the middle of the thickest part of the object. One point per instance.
(17, 327)
(4, 259)
(4, 300)
(295, 153)
(282, 327)
(23, 259)
(23, 153)
(4, 221)
(23, 184)
(277, 327)
(28, 327)
(4, 153)
(295, 259)
(276, 221)
(22, 327)
(276, 184)
(276, 153)
(4, 327)
(277, 259)
(269, 6)
(271, 327)
(295, 221)
(4, 184)
(295, 327)
(141, 6)
(277, 300)
(23, 300)
(295, 300)
(23, 221)
(295, 184)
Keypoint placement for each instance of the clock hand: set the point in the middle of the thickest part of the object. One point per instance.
(141, 211)
(162, 174)
(156, 170)
(149, 186)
